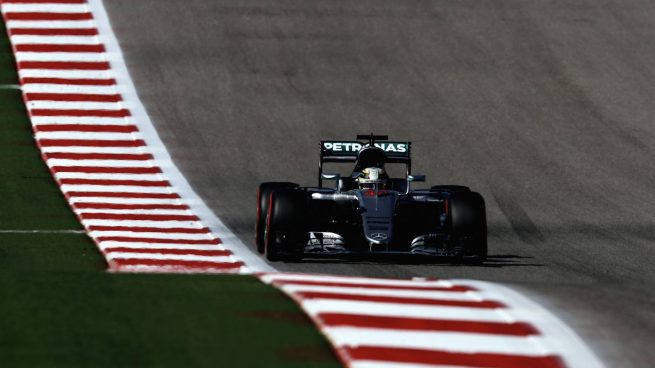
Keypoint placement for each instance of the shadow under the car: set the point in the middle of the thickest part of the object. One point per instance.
(509, 260)
(493, 261)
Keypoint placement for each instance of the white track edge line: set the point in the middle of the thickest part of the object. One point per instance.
(559, 336)
(126, 87)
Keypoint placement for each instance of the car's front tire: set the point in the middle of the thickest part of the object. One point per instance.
(285, 235)
(263, 197)
(469, 225)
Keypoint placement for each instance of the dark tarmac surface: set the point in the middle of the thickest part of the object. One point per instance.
(545, 107)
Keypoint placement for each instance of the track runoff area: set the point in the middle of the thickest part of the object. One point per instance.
(118, 178)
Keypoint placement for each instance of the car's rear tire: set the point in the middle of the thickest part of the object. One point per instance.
(285, 235)
(469, 224)
(263, 196)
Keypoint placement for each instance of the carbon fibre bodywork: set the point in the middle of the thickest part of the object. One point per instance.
(381, 216)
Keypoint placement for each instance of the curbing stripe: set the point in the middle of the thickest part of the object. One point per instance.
(173, 256)
(47, 16)
(175, 265)
(26, 80)
(463, 342)
(141, 223)
(128, 239)
(98, 150)
(485, 304)
(115, 206)
(98, 156)
(78, 112)
(153, 236)
(123, 195)
(44, 1)
(53, 31)
(110, 170)
(98, 48)
(74, 105)
(319, 306)
(90, 143)
(50, 7)
(426, 324)
(198, 252)
(384, 292)
(92, 176)
(88, 136)
(70, 77)
(97, 162)
(434, 357)
(73, 97)
(137, 211)
(68, 88)
(139, 246)
(25, 56)
(101, 182)
(80, 131)
(124, 200)
(453, 288)
(136, 217)
(175, 230)
(12, 25)
(123, 191)
(54, 40)
(6, 2)
(72, 65)
(88, 128)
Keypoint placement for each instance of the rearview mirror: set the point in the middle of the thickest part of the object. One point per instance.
(415, 178)
(329, 176)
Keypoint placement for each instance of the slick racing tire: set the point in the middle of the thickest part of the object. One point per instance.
(263, 197)
(285, 235)
(469, 223)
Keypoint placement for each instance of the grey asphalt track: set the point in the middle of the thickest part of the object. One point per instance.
(545, 107)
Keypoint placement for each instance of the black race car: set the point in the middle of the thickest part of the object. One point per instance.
(368, 212)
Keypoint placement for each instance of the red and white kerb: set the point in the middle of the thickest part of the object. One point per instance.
(94, 149)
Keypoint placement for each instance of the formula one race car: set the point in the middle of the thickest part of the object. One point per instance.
(368, 212)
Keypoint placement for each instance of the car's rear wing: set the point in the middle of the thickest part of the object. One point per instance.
(347, 151)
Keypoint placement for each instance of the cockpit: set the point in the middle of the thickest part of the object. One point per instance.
(369, 172)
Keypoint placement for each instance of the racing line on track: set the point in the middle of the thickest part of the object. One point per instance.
(103, 152)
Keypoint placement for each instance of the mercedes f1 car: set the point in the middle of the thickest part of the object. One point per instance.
(369, 212)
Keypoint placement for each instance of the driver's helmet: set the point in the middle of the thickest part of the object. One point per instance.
(371, 177)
